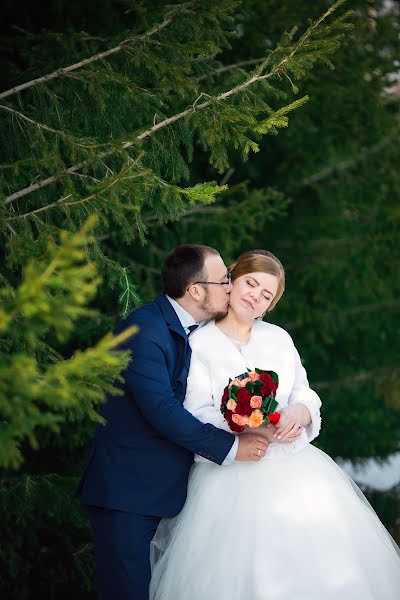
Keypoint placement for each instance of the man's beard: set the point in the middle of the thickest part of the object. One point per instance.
(211, 311)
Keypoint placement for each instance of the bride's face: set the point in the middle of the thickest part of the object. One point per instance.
(252, 294)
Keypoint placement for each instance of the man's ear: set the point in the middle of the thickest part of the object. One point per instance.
(194, 292)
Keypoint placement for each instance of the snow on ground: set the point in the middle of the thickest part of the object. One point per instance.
(375, 474)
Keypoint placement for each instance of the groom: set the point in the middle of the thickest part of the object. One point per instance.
(139, 464)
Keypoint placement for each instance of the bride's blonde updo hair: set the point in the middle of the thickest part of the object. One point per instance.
(260, 261)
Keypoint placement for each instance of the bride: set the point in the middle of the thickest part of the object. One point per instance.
(292, 526)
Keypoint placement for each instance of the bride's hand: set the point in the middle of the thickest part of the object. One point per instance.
(271, 429)
(290, 426)
(267, 431)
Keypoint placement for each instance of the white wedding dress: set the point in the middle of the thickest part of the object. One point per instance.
(292, 526)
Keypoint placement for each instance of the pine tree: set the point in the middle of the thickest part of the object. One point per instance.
(40, 388)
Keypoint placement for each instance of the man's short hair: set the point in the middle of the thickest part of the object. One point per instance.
(183, 266)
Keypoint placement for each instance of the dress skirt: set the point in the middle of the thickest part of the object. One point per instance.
(289, 527)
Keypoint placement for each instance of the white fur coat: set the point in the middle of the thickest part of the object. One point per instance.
(215, 359)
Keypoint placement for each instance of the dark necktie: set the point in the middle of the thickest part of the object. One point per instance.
(192, 328)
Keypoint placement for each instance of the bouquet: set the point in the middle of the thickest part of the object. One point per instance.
(249, 400)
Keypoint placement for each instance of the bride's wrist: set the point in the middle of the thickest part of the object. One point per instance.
(304, 414)
(268, 432)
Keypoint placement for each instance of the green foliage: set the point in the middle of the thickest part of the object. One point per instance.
(35, 393)
(128, 297)
(44, 507)
(122, 155)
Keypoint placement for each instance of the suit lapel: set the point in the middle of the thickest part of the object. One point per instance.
(170, 316)
(175, 326)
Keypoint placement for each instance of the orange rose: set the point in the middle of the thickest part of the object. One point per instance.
(239, 420)
(234, 382)
(253, 376)
(244, 381)
(255, 401)
(256, 418)
(231, 405)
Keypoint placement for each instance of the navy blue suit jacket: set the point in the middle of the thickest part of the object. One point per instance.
(140, 459)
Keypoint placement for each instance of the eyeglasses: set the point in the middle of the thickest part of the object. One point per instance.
(215, 282)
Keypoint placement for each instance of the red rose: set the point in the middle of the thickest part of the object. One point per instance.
(269, 386)
(243, 407)
(274, 418)
(232, 425)
(243, 394)
(225, 396)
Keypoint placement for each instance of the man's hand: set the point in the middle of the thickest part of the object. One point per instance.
(252, 446)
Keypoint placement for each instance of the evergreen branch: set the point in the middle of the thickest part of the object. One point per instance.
(70, 138)
(45, 182)
(61, 202)
(349, 163)
(100, 56)
(138, 266)
(231, 67)
(128, 297)
(276, 70)
(356, 310)
(227, 176)
(98, 193)
(69, 389)
(37, 210)
(196, 210)
(191, 211)
(156, 250)
(354, 379)
(366, 308)
(166, 122)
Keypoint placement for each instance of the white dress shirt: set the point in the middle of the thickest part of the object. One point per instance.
(187, 320)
